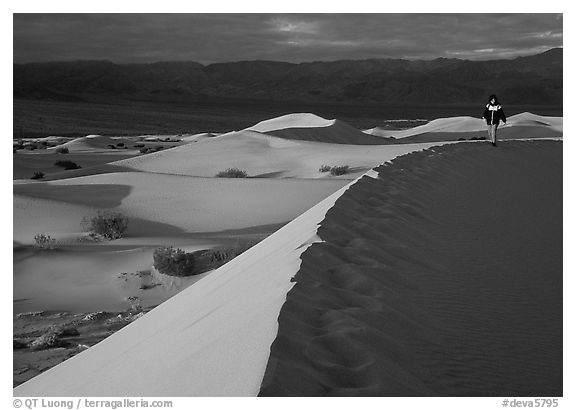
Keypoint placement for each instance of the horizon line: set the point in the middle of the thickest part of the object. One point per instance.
(278, 61)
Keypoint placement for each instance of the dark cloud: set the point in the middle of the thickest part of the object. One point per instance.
(208, 38)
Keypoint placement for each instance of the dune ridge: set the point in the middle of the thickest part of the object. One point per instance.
(442, 277)
(466, 124)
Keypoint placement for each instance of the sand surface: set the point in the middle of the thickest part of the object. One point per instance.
(212, 339)
(264, 156)
(443, 277)
(24, 164)
(187, 203)
(467, 125)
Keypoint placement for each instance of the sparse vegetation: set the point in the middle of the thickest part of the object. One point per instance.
(120, 144)
(110, 225)
(67, 164)
(138, 145)
(148, 150)
(53, 338)
(174, 262)
(325, 168)
(46, 341)
(37, 175)
(232, 173)
(339, 170)
(62, 150)
(111, 146)
(43, 241)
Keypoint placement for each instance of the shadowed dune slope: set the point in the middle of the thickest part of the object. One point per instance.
(442, 277)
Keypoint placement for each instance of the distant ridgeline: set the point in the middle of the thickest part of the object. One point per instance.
(534, 79)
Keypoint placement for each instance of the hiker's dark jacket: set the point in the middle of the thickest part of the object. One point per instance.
(493, 114)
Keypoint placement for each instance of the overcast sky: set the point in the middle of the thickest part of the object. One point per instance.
(208, 38)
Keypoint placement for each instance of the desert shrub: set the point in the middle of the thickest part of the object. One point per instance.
(232, 173)
(111, 146)
(37, 175)
(173, 262)
(62, 150)
(147, 150)
(47, 341)
(325, 168)
(120, 144)
(339, 170)
(461, 139)
(30, 147)
(63, 331)
(44, 241)
(67, 164)
(110, 225)
(138, 145)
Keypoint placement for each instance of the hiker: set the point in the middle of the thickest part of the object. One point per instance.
(493, 113)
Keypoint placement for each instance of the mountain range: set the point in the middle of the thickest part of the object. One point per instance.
(535, 79)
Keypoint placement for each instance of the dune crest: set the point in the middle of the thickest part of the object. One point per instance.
(310, 127)
(297, 120)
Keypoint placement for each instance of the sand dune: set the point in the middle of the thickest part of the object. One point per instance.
(310, 127)
(198, 137)
(529, 119)
(212, 339)
(394, 294)
(532, 125)
(374, 308)
(297, 120)
(265, 156)
(425, 282)
(452, 124)
(89, 143)
(217, 332)
(190, 204)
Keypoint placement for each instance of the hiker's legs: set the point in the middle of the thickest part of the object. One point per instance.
(494, 133)
(490, 132)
